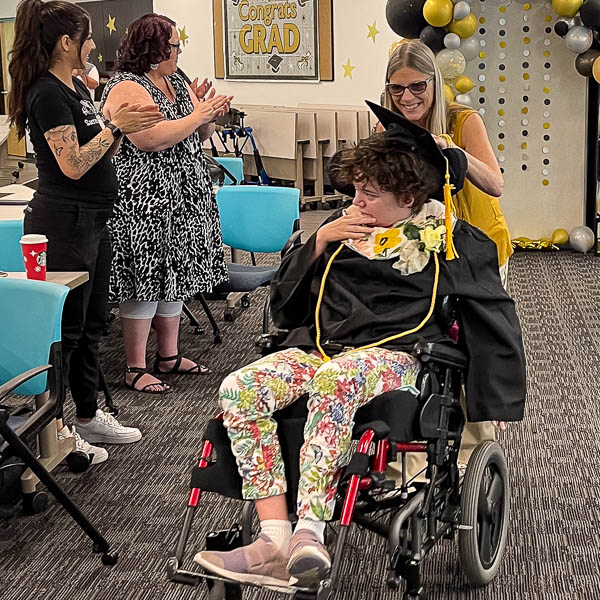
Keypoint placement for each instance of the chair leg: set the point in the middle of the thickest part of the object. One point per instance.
(108, 399)
(211, 319)
(198, 330)
(23, 452)
(266, 314)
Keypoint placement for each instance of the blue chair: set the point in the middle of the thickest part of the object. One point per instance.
(11, 257)
(30, 364)
(255, 219)
(235, 166)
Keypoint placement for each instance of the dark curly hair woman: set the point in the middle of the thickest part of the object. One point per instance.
(165, 230)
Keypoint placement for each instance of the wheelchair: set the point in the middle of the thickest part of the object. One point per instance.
(472, 506)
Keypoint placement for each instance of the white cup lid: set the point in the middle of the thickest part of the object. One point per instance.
(33, 238)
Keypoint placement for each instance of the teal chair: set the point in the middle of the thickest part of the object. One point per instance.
(30, 364)
(255, 219)
(11, 257)
(235, 166)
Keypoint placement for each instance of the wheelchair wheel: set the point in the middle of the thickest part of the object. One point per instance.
(485, 508)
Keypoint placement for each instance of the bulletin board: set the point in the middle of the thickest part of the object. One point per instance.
(533, 103)
(272, 40)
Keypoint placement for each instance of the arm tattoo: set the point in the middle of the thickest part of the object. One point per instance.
(76, 159)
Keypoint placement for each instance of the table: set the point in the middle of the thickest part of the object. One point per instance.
(11, 213)
(71, 279)
(16, 192)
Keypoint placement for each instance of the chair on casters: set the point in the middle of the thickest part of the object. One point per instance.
(235, 166)
(11, 259)
(31, 364)
(255, 219)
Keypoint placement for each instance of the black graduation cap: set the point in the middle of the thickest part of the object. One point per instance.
(409, 137)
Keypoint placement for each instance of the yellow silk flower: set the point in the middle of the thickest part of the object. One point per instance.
(387, 240)
(432, 238)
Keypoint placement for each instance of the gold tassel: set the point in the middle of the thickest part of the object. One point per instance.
(451, 252)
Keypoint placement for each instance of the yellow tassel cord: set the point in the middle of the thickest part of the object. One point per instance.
(387, 339)
(451, 252)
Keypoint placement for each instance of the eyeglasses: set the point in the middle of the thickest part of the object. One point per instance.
(178, 46)
(416, 89)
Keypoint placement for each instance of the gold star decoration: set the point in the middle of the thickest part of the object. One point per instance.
(348, 68)
(111, 24)
(183, 36)
(100, 59)
(373, 31)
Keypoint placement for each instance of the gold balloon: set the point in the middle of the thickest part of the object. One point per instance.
(560, 237)
(438, 13)
(396, 44)
(464, 84)
(566, 8)
(596, 69)
(465, 27)
(448, 94)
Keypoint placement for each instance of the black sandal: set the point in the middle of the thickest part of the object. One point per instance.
(140, 373)
(197, 369)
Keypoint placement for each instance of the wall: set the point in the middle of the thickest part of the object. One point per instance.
(351, 19)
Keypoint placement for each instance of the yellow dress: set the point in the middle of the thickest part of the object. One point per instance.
(478, 208)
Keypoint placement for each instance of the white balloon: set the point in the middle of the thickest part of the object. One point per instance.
(461, 10)
(451, 63)
(451, 41)
(582, 239)
(464, 99)
(470, 47)
(579, 39)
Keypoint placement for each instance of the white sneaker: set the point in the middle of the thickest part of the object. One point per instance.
(105, 429)
(97, 455)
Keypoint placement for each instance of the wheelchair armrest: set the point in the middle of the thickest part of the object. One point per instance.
(293, 240)
(270, 342)
(7, 387)
(440, 354)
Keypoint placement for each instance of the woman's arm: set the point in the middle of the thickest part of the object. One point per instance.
(198, 93)
(483, 170)
(75, 160)
(167, 133)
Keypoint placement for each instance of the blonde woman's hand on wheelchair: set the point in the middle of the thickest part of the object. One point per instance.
(501, 425)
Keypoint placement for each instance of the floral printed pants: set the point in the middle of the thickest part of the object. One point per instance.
(336, 389)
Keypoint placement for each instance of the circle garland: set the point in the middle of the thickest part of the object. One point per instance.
(447, 27)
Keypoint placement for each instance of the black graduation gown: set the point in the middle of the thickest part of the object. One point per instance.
(367, 300)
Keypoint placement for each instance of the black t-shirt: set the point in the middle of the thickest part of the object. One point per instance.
(50, 104)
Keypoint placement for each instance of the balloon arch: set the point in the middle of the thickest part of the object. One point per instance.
(447, 27)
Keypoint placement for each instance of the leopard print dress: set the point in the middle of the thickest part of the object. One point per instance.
(165, 229)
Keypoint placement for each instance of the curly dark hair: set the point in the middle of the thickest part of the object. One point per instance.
(403, 173)
(146, 43)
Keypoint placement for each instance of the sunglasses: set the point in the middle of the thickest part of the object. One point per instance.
(416, 89)
(178, 45)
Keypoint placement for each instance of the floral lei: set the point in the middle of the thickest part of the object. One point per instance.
(411, 242)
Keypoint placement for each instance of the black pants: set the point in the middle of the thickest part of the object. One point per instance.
(78, 240)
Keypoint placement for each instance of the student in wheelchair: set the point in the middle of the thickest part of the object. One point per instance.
(358, 300)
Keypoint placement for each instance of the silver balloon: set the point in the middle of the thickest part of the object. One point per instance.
(461, 10)
(451, 63)
(470, 48)
(451, 41)
(579, 39)
(582, 239)
(464, 99)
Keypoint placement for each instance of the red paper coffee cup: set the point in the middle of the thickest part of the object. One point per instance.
(34, 248)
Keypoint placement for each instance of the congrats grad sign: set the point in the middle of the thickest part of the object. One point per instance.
(271, 39)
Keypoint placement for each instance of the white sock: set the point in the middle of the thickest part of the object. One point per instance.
(279, 532)
(317, 527)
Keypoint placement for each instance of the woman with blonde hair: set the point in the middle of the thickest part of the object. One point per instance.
(414, 88)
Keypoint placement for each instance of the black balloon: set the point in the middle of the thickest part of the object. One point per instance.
(590, 13)
(561, 28)
(433, 37)
(405, 17)
(584, 62)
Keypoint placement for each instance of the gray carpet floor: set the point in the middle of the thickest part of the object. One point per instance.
(137, 498)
